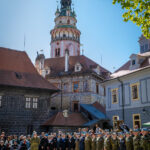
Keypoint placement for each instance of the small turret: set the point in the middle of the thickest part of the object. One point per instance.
(144, 44)
(39, 62)
(57, 12)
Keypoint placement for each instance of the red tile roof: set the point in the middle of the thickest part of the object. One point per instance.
(73, 119)
(126, 66)
(16, 69)
(57, 65)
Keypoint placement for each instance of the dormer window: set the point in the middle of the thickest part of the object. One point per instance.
(78, 67)
(133, 62)
(47, 70)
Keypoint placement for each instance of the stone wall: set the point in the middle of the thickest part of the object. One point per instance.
(15, 118)
(86, 94)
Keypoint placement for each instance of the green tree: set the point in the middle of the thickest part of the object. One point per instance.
(137, 11)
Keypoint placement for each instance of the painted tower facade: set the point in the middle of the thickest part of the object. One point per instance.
(78, 77)
(65, 35)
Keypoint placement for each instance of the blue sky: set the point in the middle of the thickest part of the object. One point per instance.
(106, 38)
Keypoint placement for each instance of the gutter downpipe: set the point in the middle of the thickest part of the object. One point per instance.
(122, 90)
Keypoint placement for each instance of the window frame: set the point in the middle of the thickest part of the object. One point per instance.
(77, 90)
(35, 101)
(28, 101)
(133, 62)
(138, 96)
(133, 119)
(115, 89)
(1, 97)
(115, 121)
(65, 87)
(97, 88)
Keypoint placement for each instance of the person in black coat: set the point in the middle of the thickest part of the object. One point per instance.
(59, 142)
(81, 144)
(43, 142)
(15, 145)
(55, 141)
(24, 146)
(64, 143)
(67, 142)
(2, 146)
(71, 142)
(50, 145)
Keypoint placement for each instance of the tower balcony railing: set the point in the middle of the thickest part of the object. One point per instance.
(65, 38)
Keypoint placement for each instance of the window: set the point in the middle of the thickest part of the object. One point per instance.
(64, 35)
(57, 52)
(75, 87)
(85, 86)
(0, 101)
(146, 47)
(136, 120)
(28, 102)
(142, 48)
(75, 106)
(114, 96)
(35, 103)
(133, 62)
(78, 67)
(97, 88)
(68, 21)
(135, 91)
(115, 121)
(65, 85)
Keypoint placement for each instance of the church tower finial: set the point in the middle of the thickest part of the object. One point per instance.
(66, 4)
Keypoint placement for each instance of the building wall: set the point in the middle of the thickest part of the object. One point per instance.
(15, 117)
(85, 95)
(131, 106)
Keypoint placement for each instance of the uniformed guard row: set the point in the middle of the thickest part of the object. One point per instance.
(82, 140)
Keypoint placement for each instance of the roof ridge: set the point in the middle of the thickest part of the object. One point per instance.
(10, 49)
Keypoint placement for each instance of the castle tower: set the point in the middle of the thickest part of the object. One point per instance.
(65, 35)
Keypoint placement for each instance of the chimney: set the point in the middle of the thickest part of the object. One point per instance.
(66, 60)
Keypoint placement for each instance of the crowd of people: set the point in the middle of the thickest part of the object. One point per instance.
(84, 139)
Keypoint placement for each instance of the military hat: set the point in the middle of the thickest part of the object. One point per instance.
(127, 132)
(120, 133)
(106, 130)
(114, 133)
(99, 133)
(136, 130)
(144, 129)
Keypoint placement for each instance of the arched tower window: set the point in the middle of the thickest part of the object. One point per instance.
(68, 21)
(57, 52)
(64, 35)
